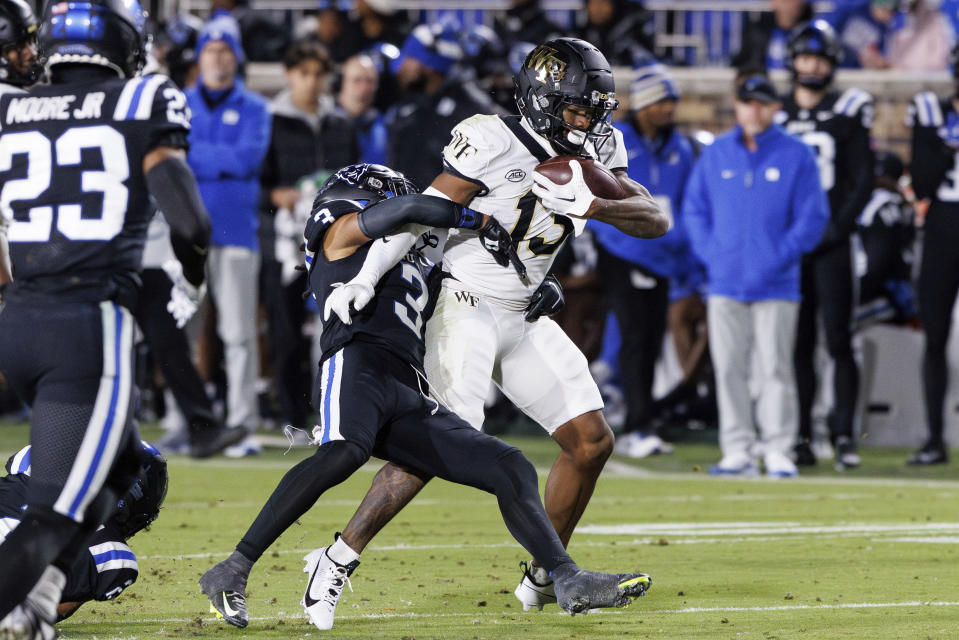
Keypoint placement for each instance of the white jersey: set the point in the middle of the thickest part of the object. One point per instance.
(498, 153)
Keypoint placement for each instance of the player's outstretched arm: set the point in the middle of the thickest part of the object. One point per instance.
(637, 215)
(174, 189)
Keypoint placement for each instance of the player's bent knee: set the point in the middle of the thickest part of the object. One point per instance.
(514, 473)
(587, 439)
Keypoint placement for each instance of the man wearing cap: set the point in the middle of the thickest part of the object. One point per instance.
(752, 207)
(433, 102)
(228, 141)
(636, 272)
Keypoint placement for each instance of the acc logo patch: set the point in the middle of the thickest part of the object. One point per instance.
(515, 175)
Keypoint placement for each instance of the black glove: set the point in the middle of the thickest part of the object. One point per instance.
(547, 300)
(496, 240)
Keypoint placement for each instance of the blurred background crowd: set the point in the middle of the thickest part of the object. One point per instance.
(284, 92)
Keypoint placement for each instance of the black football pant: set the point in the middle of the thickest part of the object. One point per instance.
(73, 364)
(938, 286)
(641, 313)
(370, 403)
(827, 290)
(170, 349)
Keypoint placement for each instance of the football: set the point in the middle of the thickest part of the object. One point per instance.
(599, 179)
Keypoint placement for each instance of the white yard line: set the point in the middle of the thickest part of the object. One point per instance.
(490, 614)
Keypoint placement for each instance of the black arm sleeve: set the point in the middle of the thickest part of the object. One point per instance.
(931, 159)
(859, 167)
(388, 215)
(174, 189)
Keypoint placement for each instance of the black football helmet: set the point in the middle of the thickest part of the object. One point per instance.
(18, 28)
(362, 185)
(108, 33)
(140, 505)
(816, 38)
(562, 73)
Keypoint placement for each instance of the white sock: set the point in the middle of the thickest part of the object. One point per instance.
(340, 553)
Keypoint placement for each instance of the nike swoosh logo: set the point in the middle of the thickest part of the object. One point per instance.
(230, 611)
(565, 199)
(309, 587)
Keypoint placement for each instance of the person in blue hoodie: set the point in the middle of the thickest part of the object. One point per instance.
(636, 272)
(752, 207)
(229, 138)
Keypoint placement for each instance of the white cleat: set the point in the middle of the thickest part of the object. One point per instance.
(33, 619)
(325, 587)
(535, 589)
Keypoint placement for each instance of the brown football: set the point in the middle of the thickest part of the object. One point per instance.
(599, 179)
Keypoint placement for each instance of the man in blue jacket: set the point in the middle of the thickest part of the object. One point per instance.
(229, 138)
(752, 207)
(636, 272)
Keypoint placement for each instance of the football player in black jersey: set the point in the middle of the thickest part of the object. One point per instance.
(836, 125)
(79, 159)
(935, 178)
(109, 566)
(372, 399)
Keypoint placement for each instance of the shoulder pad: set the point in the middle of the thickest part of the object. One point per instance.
(322, 217)
(851, 101)
(925, 111)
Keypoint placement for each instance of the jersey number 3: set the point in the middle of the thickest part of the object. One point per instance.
(413, 306)
(42, 158)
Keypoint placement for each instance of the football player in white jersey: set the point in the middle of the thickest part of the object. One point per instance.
(484, 327)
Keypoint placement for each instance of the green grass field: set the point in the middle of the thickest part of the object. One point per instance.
(870, 554)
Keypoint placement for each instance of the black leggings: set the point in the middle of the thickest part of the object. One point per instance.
(938, 286)
(827, 289)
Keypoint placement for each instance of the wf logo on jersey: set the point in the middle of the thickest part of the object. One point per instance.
(460, 146)
(468, 298)
(547, 63)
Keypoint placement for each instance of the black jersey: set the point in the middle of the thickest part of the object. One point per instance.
(935, 163)
(103, 573)
(838, 130)
(74, 195)
(396, 316)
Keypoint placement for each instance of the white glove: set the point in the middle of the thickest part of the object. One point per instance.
(357, 293)
(572, 199)
(184, 297)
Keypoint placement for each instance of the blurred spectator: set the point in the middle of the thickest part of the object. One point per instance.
(863, 29)
(636, 272)
(433, 102)
(308, 136)
(752, 207)
(487, 62)
(922, 39)
(885, 235)
(835, 124)
(378, 21)
(264, 40)
(618, 28)
(765, 36)
(383, 56)
(175, 48)
(935, 152)
(229, 137)
(335, 32)
(357, 85)
(525, 21)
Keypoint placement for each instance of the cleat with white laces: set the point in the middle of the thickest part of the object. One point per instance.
(225, 586)
(33, 619)
(581, 590)
(323, 591)
(535, 589)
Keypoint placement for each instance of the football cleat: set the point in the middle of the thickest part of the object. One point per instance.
(211, 441)
(225, 586)
(325, 587)
(535, 589)
(930, 453)
(33, 619)
(846, 455)
(583, 590)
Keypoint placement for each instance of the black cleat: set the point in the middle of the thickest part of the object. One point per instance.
(213, 440)
(931, 453)
(803, 455)
(225, 586)
(584, 590)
